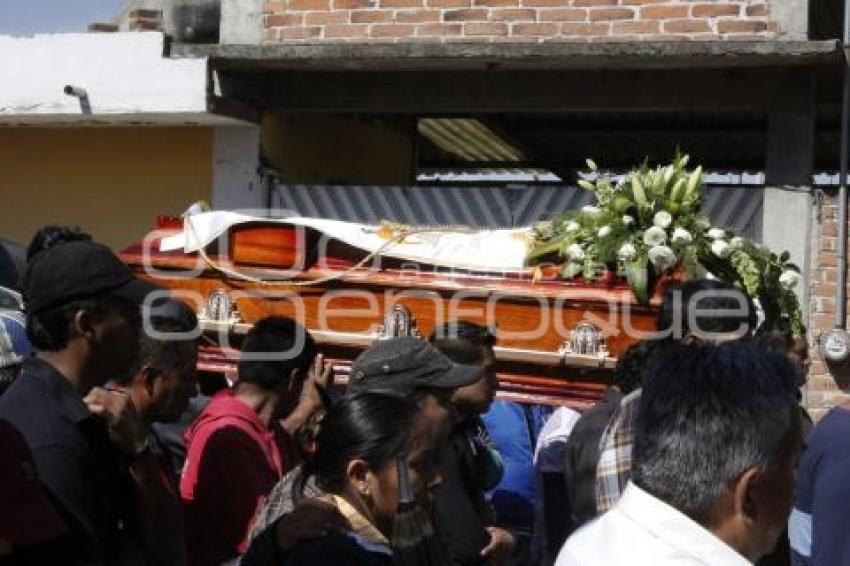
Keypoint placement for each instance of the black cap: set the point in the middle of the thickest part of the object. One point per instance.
(406, 364)
(79, 270)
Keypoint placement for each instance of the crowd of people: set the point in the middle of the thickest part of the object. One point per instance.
(699, 452)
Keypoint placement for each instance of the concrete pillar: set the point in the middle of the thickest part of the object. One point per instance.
(791, 18)
(241, 22)
(788, 199)
(236, 184)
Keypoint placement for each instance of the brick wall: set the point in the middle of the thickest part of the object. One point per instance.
(514, 20)
(824, 388)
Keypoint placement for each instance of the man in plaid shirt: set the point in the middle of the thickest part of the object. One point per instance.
(691, 312)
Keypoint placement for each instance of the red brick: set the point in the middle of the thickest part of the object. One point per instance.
(485, 29)
(325, 18)
(439, 29)
(496, 2)
(637, 2)
(608, 14)
(757, 10)
(299, 33)
(417, 16)
(581, 3)
(308, 5)
(449, 3)
(828, 228)
(466, 15)
(534, 29)
(285, 20)
(715, 10)
(562, 15)
(740, 26)
(371, 16)
(664, 12)
(392, 30)
(686, 26)
(402, 3)
(585, 29)
(272, 6)
(354, 4)
(271, 34)
(622, 28)
(346, 30)
(827, 260)
(145, 14)
(545, 3)
(513, 15)
(144, 25)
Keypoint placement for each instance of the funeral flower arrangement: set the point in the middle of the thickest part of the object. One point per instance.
(647, 224)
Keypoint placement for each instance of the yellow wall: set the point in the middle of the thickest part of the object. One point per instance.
(338, 150)
(112, 182)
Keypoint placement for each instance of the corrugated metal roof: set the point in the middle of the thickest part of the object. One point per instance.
(738, 208)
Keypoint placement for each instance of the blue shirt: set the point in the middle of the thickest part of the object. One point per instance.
(513, 428)
(818, 527)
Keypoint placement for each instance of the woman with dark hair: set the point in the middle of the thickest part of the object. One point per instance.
(355, 464)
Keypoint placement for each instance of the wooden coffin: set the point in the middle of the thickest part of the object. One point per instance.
(557, 341)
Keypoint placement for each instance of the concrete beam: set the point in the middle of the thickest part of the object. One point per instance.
(525, 56)
(788, 171)
(792, 18)
(241, 22)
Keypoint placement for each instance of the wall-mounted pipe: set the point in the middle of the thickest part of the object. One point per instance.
(81, 94)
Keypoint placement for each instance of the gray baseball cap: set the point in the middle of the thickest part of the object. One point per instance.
(406, 364)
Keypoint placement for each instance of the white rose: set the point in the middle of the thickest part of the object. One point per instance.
(662, 219)
(720, 248)
(789, 278)
(681, 236)
(604, 231)
(575, 253)
(627, 252)
(572, 226)
(716, 233)
(591, 210)
(661, 257)
(628, 220)
(654, 236)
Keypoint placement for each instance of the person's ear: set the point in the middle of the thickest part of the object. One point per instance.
(358, 474)
(84, 325)
(148, 375)
(746, 500)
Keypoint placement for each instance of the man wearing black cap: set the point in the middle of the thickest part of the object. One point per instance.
(407, 366)
(89, 448)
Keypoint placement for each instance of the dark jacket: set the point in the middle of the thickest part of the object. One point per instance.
(461, 513)
(334, 549)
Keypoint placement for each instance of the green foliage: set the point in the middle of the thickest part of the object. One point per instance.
(647, 223)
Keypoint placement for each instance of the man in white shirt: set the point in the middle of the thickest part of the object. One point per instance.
(713, 468)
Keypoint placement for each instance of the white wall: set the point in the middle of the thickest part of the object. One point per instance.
(123, 73)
